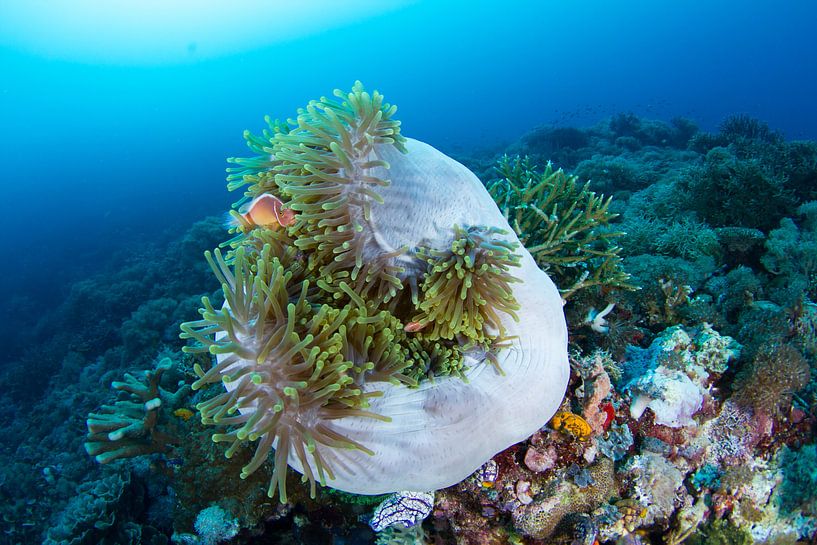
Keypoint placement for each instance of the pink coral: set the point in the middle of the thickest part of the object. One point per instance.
(596, 388)
(540, 460)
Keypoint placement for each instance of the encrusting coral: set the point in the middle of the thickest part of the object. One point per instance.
(336, 313)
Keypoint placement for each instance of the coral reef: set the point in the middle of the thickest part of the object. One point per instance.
(727, 180)
(214, 525)
(93, 516)
(562, 498)
(129, 427)
(777, 372)
(563, 224)
(690, 412)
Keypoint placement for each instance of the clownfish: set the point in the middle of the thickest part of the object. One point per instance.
(413, 327)
(264, 211)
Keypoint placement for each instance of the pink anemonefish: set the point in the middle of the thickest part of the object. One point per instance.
(265, 211)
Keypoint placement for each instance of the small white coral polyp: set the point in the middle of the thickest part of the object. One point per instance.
(311, 342)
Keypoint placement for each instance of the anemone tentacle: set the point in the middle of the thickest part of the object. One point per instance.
(286, 368)
(326, 167)
(467, 285)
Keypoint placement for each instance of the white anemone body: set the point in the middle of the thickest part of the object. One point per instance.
(442, 431)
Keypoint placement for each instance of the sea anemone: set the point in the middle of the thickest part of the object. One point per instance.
(315, 343)
(468, 285)
(326, 169)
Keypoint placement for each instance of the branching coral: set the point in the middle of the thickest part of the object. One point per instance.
(563, 224)
(738, 192)
(128, 428)
(792, 251)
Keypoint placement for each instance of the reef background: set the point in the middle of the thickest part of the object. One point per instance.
(114, 183)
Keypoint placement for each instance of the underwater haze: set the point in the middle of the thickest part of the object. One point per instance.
(697, 117)
(111, 148)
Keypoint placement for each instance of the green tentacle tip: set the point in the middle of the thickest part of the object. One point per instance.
(289, 391)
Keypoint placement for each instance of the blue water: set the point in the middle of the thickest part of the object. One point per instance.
(101, 154)
(98, 154)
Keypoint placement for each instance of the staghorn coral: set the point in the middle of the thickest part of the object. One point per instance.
(315, 345)
(674, 297)
(564, 225)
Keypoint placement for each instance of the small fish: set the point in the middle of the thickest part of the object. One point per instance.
(413, 327)
(184, 414)
(265, 211)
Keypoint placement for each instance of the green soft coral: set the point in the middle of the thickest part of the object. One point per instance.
(563, 224)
